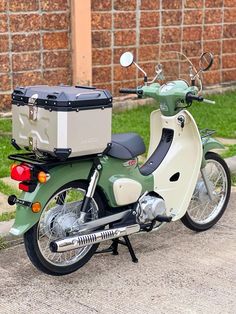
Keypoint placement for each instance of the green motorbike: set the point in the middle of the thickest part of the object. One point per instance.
(69, 205)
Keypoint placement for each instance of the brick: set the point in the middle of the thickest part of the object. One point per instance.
(229, 3)
(150, 5)
(57, 77)
(101, 5)
(5, 102)
(149, 19)
(230, 15)
(148, 53)
(229, 61)
(101, 74)
(4, 63)
(5, 82)
(171, 4)
(3, 5)
(101, 56)
(55, 21)
(192, 17)
(125, 20)
(192, 33)
(212, 32)
(124, 5)
(229, 46)
(229, 75)
(55, 40)
(212, 46)
(55, 5)
(121, 73)
(3, 23)
(24, 22)
(29, 42)
(107, 86)
(166, 50)
(171, 17)
(191, 49)
(27, 78)
(118, 52)
(101, 39)
(149, 36)
(213, 16)
(29, 5)
(56, 59)
(214, 3)
(193, 4)
(229, 31)
(123, 84)
(216, 63)
(101, 21)
(170, 35)
(211, 78)
(4, 43)
(124, 38)
(28, 61)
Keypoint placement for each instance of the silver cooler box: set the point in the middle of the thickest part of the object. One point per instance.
(62, 121)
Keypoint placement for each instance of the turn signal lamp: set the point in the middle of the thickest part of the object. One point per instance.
(36, 207)
(42, 177)
(21, 172)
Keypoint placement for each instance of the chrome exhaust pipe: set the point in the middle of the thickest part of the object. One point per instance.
(75, 242)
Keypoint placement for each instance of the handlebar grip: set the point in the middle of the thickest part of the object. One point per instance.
(190, 97)
(128, 91)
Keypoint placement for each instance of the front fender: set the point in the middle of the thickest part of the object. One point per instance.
(59, 176)
(209, 144)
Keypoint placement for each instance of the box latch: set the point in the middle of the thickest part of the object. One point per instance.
(33, 109)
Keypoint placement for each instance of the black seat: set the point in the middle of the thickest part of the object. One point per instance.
(126, 146)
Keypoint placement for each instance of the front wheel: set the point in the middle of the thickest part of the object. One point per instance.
(60, 214)
(203, 213)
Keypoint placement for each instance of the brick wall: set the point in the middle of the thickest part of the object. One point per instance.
(34, 44)
(151, 28)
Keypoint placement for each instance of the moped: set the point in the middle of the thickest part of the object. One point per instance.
(80, 202)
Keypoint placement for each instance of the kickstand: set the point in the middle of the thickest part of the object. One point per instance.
(113, 248)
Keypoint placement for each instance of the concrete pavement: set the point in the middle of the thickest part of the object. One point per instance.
(179, 271)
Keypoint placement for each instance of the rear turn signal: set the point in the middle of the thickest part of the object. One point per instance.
(43, 177)
(36, 207)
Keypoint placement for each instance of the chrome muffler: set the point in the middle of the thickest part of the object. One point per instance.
(75, 242)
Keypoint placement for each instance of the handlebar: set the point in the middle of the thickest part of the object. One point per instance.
(190, 97)
(131, 91)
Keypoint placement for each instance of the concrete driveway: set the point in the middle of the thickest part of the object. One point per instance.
(179, 271)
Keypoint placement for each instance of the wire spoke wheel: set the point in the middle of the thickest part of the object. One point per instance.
(204, 212)
(60, 216)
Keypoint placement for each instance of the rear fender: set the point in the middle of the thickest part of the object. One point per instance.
(209, 144)
(59, 176)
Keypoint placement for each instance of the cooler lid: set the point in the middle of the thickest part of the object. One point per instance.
(62, 98)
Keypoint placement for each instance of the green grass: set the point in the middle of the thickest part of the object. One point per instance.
(5, 126)
(3, 244)
(231, 151)
(7, 189)
(7, 216)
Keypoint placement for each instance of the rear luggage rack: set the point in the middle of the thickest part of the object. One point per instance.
(206, 132)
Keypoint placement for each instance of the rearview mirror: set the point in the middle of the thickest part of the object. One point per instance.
(206, 61)
(126, 59)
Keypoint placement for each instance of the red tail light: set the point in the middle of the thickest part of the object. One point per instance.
(21, 172)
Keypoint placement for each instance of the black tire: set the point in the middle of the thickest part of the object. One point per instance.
(33, 250)
(187, 219)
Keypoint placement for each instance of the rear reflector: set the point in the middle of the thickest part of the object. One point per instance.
(27, 186)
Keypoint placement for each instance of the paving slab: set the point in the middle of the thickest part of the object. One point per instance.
(179, 271)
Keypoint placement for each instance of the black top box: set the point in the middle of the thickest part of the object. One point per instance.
(62, 98)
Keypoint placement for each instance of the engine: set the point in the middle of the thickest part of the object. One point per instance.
(151, 206)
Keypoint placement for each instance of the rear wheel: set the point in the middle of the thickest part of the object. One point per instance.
(60, 214)
(203, 213)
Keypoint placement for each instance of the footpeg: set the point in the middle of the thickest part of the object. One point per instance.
(161, 218)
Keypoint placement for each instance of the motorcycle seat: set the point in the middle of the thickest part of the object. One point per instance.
(126, 146)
